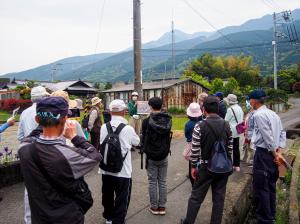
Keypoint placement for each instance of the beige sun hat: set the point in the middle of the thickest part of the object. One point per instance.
(202, 96)
(65, 95)
(231, 99)
(95, 101)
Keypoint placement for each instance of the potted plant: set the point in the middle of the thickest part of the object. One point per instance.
(10, 169)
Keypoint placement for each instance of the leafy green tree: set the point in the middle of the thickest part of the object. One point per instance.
(232, 86)
(30, 84)
(96, 85)
(108, 85)
(196, 78)
(216, 85)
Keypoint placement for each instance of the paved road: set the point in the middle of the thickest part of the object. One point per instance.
(293, 115)
(11, 208)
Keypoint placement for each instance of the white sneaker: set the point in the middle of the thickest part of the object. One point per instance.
(108, 222)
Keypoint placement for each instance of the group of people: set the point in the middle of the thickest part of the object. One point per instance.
(216, 123)
(55, 154)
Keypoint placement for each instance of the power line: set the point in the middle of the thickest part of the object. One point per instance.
(99, 28)
(209, 23)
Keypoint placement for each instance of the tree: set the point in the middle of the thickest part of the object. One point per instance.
(30, 84)
(196, 78)
(108, 85)
(96, 85)
(232, 86)
(216, 85)
(239, 67)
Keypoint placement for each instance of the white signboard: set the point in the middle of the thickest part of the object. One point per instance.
(143, 107)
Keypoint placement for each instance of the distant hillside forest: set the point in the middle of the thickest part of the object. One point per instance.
(239, 75)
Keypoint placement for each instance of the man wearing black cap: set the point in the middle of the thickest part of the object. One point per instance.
(53, 172)
(270, 139)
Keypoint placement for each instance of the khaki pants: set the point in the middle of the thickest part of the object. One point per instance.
(136, 124)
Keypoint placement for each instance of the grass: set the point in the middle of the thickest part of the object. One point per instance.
(179, 123)
(282, 193)
(5, 115)
(298, 192)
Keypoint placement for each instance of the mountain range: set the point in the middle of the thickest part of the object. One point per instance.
(157, 61)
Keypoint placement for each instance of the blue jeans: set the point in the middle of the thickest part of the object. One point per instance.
(157, 176)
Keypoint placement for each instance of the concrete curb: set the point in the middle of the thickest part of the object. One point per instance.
(293, 209)
(237, 213)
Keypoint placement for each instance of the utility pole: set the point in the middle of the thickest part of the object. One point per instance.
(274, 43)
(173, 50)
(137, 42)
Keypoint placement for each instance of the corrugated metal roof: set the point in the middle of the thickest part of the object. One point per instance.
(82, 89)
(147, 85)
(66, 85)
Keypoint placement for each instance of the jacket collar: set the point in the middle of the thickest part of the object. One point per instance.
(213, 116)
(120, 119)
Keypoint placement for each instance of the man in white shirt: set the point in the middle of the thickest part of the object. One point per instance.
(27, 120)
(234, 116)
(116, 187)
(26, 125)
(270, 139)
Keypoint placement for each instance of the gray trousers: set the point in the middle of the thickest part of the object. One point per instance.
(157, 176)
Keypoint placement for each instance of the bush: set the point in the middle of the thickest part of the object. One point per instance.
(10, 104)
(175, 110)
(296, 87)
(277, 96)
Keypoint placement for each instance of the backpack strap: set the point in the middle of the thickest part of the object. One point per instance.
(109, 128)
(234, 115)
(217, 136)
(120, 128)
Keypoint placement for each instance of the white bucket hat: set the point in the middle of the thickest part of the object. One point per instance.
(117, 106)
(95, 101)
(194, 110)
(231, 99)
(79, 104)
(134, 94)
(38, 91)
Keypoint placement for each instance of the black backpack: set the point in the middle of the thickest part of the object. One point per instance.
(219, 161)
(111, 150)
(157, 145)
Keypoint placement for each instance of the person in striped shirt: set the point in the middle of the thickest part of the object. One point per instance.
(203, 140)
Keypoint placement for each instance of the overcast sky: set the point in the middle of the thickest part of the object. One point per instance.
(37, 32)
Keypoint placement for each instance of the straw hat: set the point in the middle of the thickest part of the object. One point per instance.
(194, 110)
(202, 96)
(65, 95)
(95, 101)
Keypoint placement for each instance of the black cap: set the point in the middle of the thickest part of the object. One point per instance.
(257, 94)
(54, 105)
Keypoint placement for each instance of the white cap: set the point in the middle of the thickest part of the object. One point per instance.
(134, 94)
(38, 91)
(117, 106)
